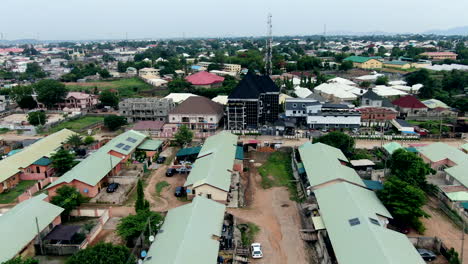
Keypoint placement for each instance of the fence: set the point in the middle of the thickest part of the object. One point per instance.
(39, 185)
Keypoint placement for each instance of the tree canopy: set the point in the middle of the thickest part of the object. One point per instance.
(141, 204)
(114, 122)
(37, 118)
(102, 253)
(74, 140)
(50, 92)
(130, 227)
(62, 161)
(338, 140)
(68, 197)
(184, 135)
(19, 260)
(409, 167)
(109, 98)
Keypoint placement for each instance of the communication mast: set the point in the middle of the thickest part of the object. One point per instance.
(269, 48)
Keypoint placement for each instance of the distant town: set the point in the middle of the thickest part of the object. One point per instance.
(314, 149)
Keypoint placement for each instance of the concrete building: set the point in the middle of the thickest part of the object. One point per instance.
(198, 113)
(225, 67)
(205, 79)
(148, 73)
(376, 116)
(81, 101)
(332, 116)
(440, 56)
(397, 64)
(409, 106)
(148, 108)
(365, 62)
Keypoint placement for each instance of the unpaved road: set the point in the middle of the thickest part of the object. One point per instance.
(279, 222)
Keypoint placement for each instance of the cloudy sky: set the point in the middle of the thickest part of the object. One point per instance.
(112, 19)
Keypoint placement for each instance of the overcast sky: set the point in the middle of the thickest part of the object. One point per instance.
(111, 19)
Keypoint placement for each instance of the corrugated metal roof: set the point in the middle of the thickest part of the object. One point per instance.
(187, 234)
(44, 161)
(239, 153)
(18, 225)
(188, 151)
(440, 151)
(373, 185)
(347, 211)
(392, 147)
(150, 144)
(215, 162)
(322, 164)
(42, 148)
(458, 196)
(95, 167)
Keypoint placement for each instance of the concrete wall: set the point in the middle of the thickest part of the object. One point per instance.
(216, 194)
(10, 182)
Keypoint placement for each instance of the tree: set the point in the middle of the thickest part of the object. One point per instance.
(410, 168)
(50, 92)
(109, 98)
(33, 70)
(184, 135)
(381, 80)
(346, 66)
(113, 122)
(88, 140)
(68, 197)
(453, 256)
(104, 73)
(404, 201)
(338, 140)
(102, 253)
(19, 260)
(75, 140)
(37, 118)
(178, 85)
(417, 77)
(141, 204)
(365, 84)
(27, 102)
(22, 95)
(130, 227)
(62, 161)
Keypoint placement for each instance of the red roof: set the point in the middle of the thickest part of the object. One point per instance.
(204, 78)
(409, 101)
(148, 125)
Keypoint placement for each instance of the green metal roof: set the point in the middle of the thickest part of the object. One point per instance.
(360, 59)
(95, 167)
(364, 242)
(189, 234)
(440, 151)
(44, 161)
(42, 148)
(188, 151)
(239, 153)
(373, 185)
(464, 147)
(396, 62)
(392, 147)
(459, 172)
(13, 152)
(215, 162)
(322, 164)
(150, 144)
(458, 196)
(18, 225)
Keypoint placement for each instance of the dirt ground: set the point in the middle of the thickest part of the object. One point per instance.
(278, 219)
(441, 226)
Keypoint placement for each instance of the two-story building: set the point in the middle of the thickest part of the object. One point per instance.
(146, 109)
(197, 113)
(81, 101)
(365, 62)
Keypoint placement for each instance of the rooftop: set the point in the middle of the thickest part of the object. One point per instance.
(198, 105)
(409, 101)
(251, 86)
(360, 59)
(204, 78)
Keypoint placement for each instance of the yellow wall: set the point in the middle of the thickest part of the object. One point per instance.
(370, 64)
(216, 194)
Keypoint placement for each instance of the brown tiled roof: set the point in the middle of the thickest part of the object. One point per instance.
(198, 105)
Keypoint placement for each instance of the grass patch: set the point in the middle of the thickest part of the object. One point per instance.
(432, 126)
(248, 233)
(160, 186)
(4, 130)
(10, 195)
(76, 124)
(130, 87)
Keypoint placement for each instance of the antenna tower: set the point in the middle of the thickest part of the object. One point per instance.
(269, 48)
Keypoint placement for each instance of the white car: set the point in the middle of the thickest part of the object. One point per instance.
(256, 250)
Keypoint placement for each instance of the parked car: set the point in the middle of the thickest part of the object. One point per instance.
(398, 226)
(179, 191)
(170, 172)
(161, 160)
(256, 249)
(427, 255)
(112, 187)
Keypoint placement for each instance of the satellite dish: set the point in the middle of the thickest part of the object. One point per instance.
(143, 253)
(151, 238)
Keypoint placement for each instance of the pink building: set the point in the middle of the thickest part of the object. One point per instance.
(78, 100)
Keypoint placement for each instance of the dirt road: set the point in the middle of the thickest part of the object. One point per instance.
(279, 222)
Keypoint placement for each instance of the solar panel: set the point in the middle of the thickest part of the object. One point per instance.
(120, 145)
(374, 221)
(130, 139)
(354, 221)
(127, 147)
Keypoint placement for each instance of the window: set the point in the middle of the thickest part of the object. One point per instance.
(193, 191)
(294, 111)
(294, 105)
(303, 105)
(201, 119)
(173, 118)
(354, 221)
(208, 196)
(374, 221)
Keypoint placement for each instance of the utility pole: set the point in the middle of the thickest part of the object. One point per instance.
(269, 46)
(39, 236)
(463, 242)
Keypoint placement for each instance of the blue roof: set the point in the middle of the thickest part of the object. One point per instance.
(240, 153)
(465, 205)
(188, 151)
(13, 152)
(373, 185)
(195, 67)
(42, 161)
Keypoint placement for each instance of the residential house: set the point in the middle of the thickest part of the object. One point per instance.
(297, 108)
(365, 62)
(190, 234)
(147, 108)
(372, 99)
(338, 92)
(23, 225)
(409, 106)
(178, 98)
(150, 128)
(212, 171)
(81, 101)
(376, 116)
(397, 64)
(205, 79)
(236, 68)
(148, 73)
(253, 103)
(332, 116)
(440, 56)
(90, 175)
(361, 214)
(33, 162)
(403, 126)
(198, 113)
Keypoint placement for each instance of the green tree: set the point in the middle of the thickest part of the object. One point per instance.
(453, 256)
(19, 260)
(22, 95)
(404, 201)
(75, 141)
(381, 80)
(346, 66)
(338, 140)
(410, 168)
(130, 227)
(365, 84)
(114, 122)
(416, 77)
(68, 197)
(141, 204)
(27, 102)
(102, 253)
(184, 135)
(62, 161)
(88, 140)
(33, 70)
(50, 92)
(178, 85)
(104, 73)
(37, 118)
(109, 98)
